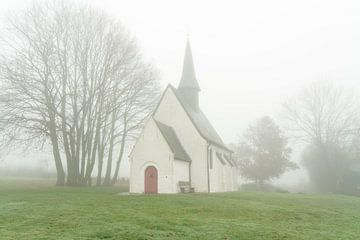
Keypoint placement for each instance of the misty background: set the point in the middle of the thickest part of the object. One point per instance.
(250, 57)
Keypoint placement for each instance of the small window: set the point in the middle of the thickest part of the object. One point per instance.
(211, 159)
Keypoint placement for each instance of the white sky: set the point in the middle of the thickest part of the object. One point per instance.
(249, 56)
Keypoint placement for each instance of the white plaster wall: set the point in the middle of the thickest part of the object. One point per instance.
(222, 177)
(215, 174)
(151, 149)
(235, 174)
(170, 112)
(228, 178)
(181, 173)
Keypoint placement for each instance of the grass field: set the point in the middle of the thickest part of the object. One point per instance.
(31, 209)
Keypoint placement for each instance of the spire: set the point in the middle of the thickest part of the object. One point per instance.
(188, 87)
(188, 78)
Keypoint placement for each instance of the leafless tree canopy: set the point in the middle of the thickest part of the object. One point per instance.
(73, 77)
(323, 113)
(326, 117)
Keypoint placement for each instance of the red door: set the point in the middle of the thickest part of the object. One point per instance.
(151, 180)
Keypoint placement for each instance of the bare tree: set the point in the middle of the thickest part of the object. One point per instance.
(325, 117)
(323, 112)
(70, 76)
(141, 94)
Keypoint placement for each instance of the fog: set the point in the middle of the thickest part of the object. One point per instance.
(249, 56)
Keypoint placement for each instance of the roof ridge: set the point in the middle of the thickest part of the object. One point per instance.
(174, 90)
(220, 144)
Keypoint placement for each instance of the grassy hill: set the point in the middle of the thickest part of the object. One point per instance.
(32, 209)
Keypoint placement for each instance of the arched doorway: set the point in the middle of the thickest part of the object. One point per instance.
(151, 180)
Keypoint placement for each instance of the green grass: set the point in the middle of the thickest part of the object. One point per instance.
(30, 209)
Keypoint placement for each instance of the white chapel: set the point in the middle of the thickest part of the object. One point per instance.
(179, 150)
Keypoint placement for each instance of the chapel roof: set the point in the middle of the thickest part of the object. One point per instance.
(229, 160)
(200, 121)
(173, 142)
(187, 85)
(219, 156)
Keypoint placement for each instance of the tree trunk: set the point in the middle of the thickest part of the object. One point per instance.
(113, 181)
(59, 167)
(56, 153)
(107, 180)
(100, 164)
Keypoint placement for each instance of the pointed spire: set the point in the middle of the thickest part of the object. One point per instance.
(188, 78)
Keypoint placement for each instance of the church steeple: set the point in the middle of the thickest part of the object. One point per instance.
(188, 86)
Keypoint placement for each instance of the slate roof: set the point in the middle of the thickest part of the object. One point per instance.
(220, 158)
(173, 142)
(189, 84)
(229, 160)
(201, 123)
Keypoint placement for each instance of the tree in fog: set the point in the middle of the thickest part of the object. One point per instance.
(73, 77)
(325, 117)
(323, 112)
(327, 166)
(263, 153)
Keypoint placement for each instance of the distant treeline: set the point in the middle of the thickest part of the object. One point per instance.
(37, 172)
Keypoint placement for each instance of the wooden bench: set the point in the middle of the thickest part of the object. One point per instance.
(185, 187)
